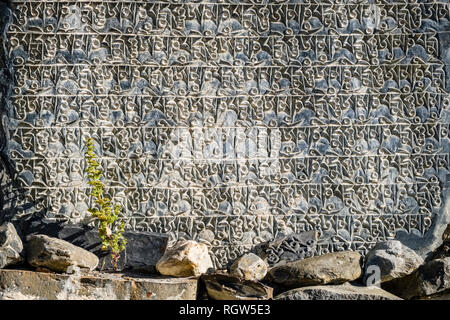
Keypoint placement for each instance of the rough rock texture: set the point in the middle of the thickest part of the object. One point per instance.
(184, 259)
(226, 287)
(58, 255)
(30, 285)
(443, 250)
(287, 248)
(344, 291)
(142, 252)
(331, 268)
(431, 280)
(144, 249)
(11, 246)
(394, 259)
(249, 267)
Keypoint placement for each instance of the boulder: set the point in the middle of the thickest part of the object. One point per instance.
(142, 252)
(57, 255)
(186, 258)
(344, 291)
(11, 246)
(249, 267)
(430, 280)
(394, 260)
(330, 268)
(226, 287)
(287, 248)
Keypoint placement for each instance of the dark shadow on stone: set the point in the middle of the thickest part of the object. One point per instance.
(13, 207)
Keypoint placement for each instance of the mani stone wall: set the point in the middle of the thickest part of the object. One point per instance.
(233, 122)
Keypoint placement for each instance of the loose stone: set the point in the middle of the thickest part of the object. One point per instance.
(249, 267)
(431, 279)
(393, 259)
(186, 258)
(226, 287)
(287, 248)
(58, 255)
(11, 246)
(331, 268)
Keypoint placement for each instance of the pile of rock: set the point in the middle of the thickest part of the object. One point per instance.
(406, 274)
(390, 271)
(42, 252)
(322, 277)
(62, 270)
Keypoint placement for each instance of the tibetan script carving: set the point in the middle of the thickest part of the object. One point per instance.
(234, 122)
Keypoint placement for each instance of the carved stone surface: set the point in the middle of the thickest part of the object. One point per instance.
(232, 122)
(288, 248)
(11, 246)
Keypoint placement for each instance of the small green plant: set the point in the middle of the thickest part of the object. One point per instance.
(109, 230)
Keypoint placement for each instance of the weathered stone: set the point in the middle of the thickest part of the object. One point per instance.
(226, 287)
(184, 259)
(331, 268)
(287, 248)
(393, 259)
(443, 250)
(344, 291)
(431, 279)
(249, 267)
(57, 254)
(142, 252)
(11, 246)
(30, 285)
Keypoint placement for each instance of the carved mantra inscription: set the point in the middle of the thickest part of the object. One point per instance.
(233, 122)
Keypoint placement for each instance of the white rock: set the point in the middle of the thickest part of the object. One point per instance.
(186, 258)
(57, 255)
(249, 267)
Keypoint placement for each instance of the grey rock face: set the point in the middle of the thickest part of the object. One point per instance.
(249, 267)
(394, 260)
(344, 291)
(225, 287)
(431, 279)
(291, 247)
(58, 255)
(331, 268)
(185, 259)
(144, 250)
(11, 246)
